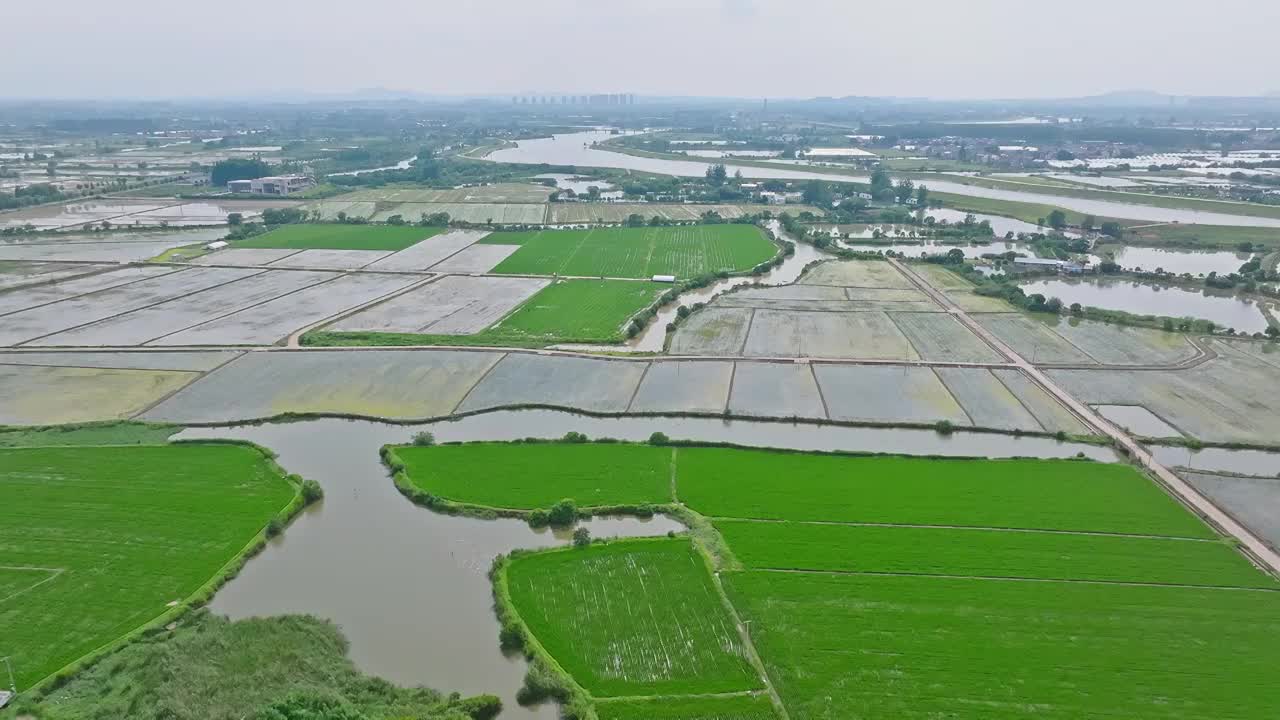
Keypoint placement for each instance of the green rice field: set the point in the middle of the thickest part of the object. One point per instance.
(97, 541)
(635, 252)
(733, 707)
(503, 475)
(636, 617)
(887, 587)
(578, 311)
(340, 237)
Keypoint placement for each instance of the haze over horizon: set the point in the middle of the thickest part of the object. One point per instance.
(733, 48)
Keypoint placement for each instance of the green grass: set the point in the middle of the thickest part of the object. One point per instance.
(106, 433)
(125, 531)
(1203, 236)
(215, 669)
(631, 618)
(635, 252)
(529, 476)
(1034, 494)
(734, 707)
(916, 648)
(989, 553)
(340, 237)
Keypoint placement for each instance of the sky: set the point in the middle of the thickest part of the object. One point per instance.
(736, 48)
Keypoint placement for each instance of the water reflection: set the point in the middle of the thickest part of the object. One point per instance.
(1142, 298)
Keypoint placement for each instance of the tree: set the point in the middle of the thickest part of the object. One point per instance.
(234, 219)
(395, 220)
(1076, 309)
(581, 537)
(904, 190)
(881, 185)
(1057, 219)
(1064, 156)
(563, 513)
(593, 193)
(238, 169)
(717, 174)
(1111, 229)
(922, 196)
(423, 438)
(635, 220)
(1088, 222)
(817, 193)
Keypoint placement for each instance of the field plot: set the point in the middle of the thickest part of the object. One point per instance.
(1263, 352)
(330, 259)
(245, 257)
(1217, 401)
(828, 298)
(475, 259)
(151, 323)
(496, 193)
(397, 384)
(974, 303)
(939, 336)
(79, 212)
(740, 707)
(471, 212)
(429, 252)
(1014, 650)
(127, 530)
(635, 252)
(572, 382)
(450, 305)
(17, 273)
(273, 320)
(577, 311)
(203, 212)
(631, 618)
(887, 394)
(1033, 494)
(198, 361)
(941, 278)
(857, 273)
(1050, 413)
(339, 237)
(1254, 501)
(22, 298)
(41, 395)
(329, 209)
(864, 335)
(989, 553)
(713, 331)
(1119, 345)
(772, 389)
(37, 322)
(1033, 339)
(103, 252)
(986, 400)
(684, 386)
(562, 213)
(529, 476)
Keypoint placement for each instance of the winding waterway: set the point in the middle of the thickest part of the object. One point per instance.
(576, 149)
(409, 587)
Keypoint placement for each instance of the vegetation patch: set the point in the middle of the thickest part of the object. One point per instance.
(989, 553)
(638, 617)
(340, 237)
(96, 433)
(132, 533)
(1033, 494)
(732, 707)
(965, 649)
(685, 252)
(538, 475)
(257, 668)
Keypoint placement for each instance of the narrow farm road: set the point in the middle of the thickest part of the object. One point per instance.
(1256, 548)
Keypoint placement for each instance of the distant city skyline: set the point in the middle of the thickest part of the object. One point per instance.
(710, 48)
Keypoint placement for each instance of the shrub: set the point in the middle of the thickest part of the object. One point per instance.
(563, 513)
(540, 684)
(574, 437)
(581, 537)
(659, 438)
(275, 527)
(311, 491)
(944, 427)
(424, 439)
(538, 518)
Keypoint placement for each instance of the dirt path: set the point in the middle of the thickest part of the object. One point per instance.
(1259, 551)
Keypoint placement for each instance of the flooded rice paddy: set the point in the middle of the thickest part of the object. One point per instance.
(409, 587)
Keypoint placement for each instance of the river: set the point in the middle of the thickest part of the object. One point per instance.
(575, 149)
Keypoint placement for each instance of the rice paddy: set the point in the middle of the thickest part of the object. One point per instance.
(100, 540)
(340, 237)
(635, 252)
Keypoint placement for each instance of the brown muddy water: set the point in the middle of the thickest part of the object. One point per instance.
(409, 587)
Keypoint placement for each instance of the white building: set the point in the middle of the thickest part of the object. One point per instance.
(274, 185)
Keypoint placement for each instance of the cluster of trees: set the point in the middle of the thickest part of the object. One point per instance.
(31, 195)
(237, 169)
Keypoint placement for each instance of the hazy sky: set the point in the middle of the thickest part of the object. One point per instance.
(777, 48)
